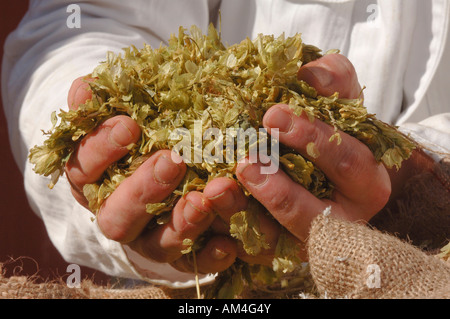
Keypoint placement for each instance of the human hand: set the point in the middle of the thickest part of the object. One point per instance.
(123, 215)
(362, 185)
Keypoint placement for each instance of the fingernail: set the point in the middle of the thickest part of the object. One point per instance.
(193, 214)
(320, 76)
(278, 118)
(120, 135)
(165, 170)
(219, 254)
(251, 173)
(224, 200)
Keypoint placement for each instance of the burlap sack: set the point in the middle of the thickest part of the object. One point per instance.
(348, 260)
(22, 287)
(345, 261)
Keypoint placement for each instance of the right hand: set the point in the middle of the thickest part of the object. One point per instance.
(123, 217)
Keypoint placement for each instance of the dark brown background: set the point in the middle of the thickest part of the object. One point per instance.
(25, 248)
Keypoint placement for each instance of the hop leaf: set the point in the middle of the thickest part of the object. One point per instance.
(244, 226)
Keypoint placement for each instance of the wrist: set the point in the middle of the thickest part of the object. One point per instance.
(418, 163)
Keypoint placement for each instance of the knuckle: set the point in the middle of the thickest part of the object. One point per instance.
(116, 234)
(77, 178)
(154, 252)
(79, 197)
(351, 164)
(371, 181)
(183, 264)
(111, 229)
(197, 209)
(281, 200)
(309, 132)
(159, 255)
(304, 132)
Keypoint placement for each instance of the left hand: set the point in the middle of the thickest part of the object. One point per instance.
(122, 216)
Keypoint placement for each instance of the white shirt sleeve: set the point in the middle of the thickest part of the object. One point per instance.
(41, 59)
(433, 134)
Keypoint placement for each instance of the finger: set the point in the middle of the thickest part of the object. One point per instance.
(218, 254)
(79, 92)
(228, 198)
(332, 73)
(123, 215)
(191, 217)
(288, 202)
(79, 196)
(100, 148)
(350, 165)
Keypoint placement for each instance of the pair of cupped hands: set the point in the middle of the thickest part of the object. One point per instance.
(362, 186)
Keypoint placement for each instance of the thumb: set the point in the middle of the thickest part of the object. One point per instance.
(332, 73)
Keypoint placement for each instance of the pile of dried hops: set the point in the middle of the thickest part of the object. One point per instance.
(196, 83)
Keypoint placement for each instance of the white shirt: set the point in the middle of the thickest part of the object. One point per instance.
(400, 49)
